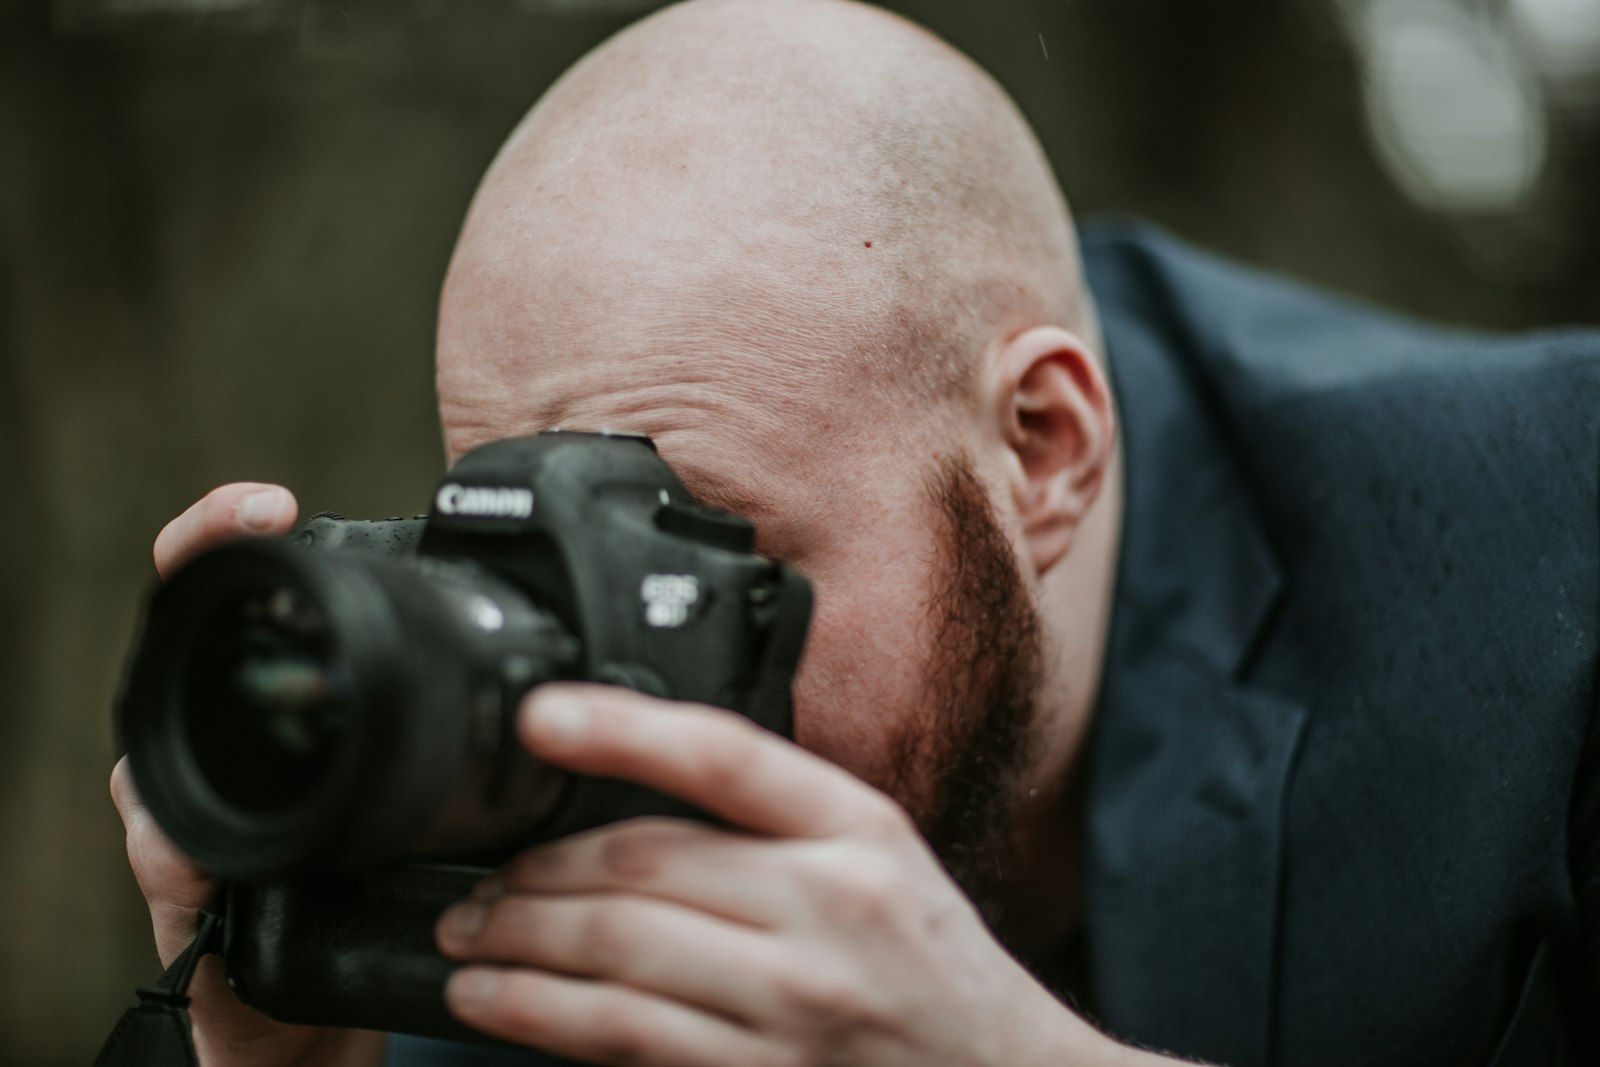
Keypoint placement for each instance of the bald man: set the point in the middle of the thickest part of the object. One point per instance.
(1332, 808)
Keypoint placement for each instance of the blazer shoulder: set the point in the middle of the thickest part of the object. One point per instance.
(1269, 337)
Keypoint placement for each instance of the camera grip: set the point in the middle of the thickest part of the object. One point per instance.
(355, 951)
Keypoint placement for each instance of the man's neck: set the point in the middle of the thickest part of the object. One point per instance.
(1044, 904)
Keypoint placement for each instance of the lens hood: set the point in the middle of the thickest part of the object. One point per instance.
(327, 744)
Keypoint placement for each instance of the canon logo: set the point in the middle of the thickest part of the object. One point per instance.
(487, 501)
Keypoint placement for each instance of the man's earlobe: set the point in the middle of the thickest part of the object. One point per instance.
(1059, 427)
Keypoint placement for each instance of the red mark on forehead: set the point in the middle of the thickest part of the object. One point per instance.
(866, 244)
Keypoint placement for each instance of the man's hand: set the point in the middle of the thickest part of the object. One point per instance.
(817, 929)
(227, 1034)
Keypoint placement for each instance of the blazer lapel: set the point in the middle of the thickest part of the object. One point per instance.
(1185, 853)
(1188, 763)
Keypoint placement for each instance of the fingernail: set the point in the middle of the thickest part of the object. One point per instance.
(258, 510)
(469, 987)
(462, 923)
(557, 717)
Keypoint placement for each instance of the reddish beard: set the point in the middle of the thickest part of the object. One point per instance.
(961, 765)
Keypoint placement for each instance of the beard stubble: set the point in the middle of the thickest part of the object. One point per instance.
(966, 757)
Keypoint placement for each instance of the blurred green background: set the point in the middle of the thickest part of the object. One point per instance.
(223, 224)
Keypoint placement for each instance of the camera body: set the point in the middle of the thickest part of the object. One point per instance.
(327, 720)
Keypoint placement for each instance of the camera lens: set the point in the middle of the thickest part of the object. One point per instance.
(269, 700)
(289, 710)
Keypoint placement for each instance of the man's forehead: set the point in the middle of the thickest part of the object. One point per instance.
(799, 463)
(729, 453)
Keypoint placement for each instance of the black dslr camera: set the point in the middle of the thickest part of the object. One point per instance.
(325, 720)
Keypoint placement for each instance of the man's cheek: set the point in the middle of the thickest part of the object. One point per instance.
(858, 688)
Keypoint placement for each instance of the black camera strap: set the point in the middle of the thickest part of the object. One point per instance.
(157, 1032)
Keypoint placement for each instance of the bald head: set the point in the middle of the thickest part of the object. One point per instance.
(817, 255)
(808, 197)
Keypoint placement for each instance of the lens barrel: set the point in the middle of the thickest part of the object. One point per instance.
(289, 710)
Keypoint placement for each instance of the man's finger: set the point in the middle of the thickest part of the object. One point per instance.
(598, 1022)
(730, 875)
(123, 794)
(710, 757)
(166, 876)
(172, 885)
(661, 948)
(242, 509)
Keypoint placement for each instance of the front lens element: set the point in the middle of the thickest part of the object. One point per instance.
(269, 702)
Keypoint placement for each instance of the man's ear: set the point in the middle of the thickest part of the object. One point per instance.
(1059, 428)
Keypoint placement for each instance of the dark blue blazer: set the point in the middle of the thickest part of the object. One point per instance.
(1352, 672)
(1335, 812)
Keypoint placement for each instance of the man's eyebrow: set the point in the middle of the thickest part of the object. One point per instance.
(718, 492)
